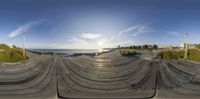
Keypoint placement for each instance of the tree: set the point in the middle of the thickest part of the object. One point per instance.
(134, 47)
(155, 47)
(139, 47)
(145, 46)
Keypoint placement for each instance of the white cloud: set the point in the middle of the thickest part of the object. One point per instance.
(23, 29)
(108, 44)
(75, 39)
(172, 33)
(79, 43)
(126, 30)
(138, 29)
(123, 43)
(89, 40)
(113, 37)
(91, 35)
(18, 31)
(43, 45)
(135, 30)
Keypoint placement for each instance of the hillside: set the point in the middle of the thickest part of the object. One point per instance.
(10, 53)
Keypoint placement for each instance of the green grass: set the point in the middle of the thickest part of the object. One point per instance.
(171, 54)
(8, 54)
(194, 55)
(127, 52)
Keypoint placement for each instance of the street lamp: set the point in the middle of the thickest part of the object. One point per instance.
(23, 49)
(186, 46)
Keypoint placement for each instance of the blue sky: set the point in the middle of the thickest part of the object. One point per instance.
(98, 23)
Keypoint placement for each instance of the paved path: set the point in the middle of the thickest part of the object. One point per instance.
(35, 78)
(109, 75)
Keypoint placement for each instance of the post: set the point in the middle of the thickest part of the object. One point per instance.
(24, 50)
(186, 46)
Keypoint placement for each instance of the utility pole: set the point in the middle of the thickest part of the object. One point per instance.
(186, 45)
(23, 38)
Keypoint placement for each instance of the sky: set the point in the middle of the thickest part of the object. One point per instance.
(91, 24)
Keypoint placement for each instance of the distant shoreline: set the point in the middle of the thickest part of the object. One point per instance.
(69, 52)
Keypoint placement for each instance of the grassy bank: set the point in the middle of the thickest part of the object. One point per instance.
(171, 54)
(193, 55)
(8, 54)
(127, 52)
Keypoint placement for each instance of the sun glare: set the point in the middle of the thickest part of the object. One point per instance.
(100, 50)
(100, 43)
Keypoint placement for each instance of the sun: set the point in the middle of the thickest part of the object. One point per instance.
(100, 43)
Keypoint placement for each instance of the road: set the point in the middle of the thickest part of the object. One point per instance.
(109, 75)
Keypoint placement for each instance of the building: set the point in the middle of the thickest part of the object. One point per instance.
(168, 46)
(190, 46)
(10, 46)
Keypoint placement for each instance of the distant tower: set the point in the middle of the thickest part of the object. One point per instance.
(186, 45)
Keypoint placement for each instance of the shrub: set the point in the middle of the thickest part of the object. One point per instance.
(11, 54)
(194, 55)
(127, 52)
(171, 54)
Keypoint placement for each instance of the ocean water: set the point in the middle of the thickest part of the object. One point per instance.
(66, 51)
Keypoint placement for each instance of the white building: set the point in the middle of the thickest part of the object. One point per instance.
(190, 46)
(10, 45)
(168, 46)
